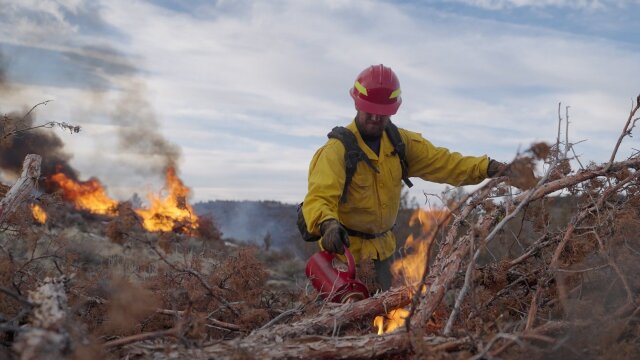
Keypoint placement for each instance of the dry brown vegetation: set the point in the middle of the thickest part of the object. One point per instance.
(510, 275)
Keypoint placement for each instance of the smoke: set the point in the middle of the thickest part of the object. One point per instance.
(43, 142)
(141, 147)
(16, 144)
(139, 132)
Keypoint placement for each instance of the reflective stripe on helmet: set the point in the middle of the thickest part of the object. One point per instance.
(361, 89)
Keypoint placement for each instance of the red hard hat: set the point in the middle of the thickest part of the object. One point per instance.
(377, 91)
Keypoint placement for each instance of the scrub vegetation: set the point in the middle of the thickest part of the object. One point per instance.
(549, 271)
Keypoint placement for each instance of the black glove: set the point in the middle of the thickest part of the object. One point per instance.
(519, 172)
(497, 168)
(334, 236)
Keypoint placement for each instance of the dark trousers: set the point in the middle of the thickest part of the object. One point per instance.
(383, 273)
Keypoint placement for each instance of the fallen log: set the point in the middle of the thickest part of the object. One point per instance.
(23, 188)
(308, 347)
(331, 321)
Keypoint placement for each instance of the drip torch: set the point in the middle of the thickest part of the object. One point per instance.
(333, 280)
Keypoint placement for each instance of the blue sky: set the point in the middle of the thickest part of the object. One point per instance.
(249, 89)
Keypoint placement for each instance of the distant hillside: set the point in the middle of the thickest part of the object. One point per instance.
(251, 221)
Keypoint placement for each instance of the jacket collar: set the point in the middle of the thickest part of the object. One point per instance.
(385, 144)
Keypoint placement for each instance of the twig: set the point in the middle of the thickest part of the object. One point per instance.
(583, 270)
(566, 133)
(283, 315)
(18, 298)
(47, 125)
(215, 322)
(174, 332)
(615, 267)
(583, 215)
(512, 337)
(466, 285)
(197, 275)
(558, 137)
(533, 309)
(34, 107)
(625, 131)
(532, 250)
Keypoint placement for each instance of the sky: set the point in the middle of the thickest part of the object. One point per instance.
(248, 90)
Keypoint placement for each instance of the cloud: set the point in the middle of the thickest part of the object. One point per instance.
(572, 4)
(249, 89)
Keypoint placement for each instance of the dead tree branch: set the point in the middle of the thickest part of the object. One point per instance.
(23, 188)
(626, 131)
(467, 279)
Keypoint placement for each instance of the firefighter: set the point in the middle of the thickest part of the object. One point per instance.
(361, 214)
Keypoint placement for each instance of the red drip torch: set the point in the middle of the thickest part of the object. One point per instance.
(333, 280)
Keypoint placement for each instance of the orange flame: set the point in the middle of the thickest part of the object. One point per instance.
(172, 211)
(38, 213)
(394, 319)
(87, 195)
(411, 266)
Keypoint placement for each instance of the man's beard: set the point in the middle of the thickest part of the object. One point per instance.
(368, 133)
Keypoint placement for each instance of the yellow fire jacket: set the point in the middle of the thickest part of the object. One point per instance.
(373, 199)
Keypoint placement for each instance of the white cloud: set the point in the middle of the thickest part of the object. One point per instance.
(573, 4)
(250, 89)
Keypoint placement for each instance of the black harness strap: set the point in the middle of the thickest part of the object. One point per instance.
(399, 148)
(352, 155)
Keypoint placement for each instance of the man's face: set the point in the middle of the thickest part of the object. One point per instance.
(371, 125)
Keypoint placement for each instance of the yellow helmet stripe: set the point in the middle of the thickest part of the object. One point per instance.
(395, 94)
(361, 89)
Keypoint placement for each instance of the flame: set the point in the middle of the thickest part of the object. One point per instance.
(38, 213)
(87, 195)
(394, 319)
(411, 266)
(172, 211)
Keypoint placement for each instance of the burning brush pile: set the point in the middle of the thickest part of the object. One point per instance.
(166, 213)
(83, 274)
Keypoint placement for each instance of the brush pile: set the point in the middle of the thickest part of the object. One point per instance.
(507, 275)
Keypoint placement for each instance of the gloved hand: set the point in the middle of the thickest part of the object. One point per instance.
(497, 168)
(334, 236)
(519, 172)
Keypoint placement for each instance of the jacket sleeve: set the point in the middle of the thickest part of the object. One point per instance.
(326, 181)
(438, 164)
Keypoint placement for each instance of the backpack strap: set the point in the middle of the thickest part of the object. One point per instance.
(352, 155)
(399, 148)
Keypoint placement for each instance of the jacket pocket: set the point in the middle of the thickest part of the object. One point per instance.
(361, 191)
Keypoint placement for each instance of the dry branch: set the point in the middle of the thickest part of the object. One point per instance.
(448, 259)
(339, 316)
(173, 332)
(626, 131)
(584, 175)
(444, 272)
(46, 336)
(23, 188)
